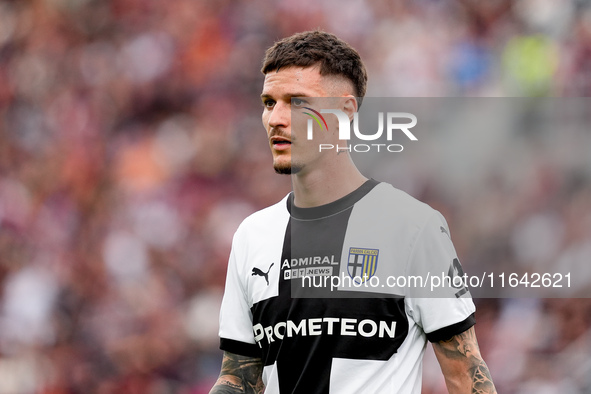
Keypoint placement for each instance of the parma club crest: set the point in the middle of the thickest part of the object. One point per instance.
(362, 263)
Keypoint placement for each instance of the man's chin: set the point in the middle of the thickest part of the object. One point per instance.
(286, 168)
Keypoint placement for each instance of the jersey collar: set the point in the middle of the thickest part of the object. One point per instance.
(332, 208)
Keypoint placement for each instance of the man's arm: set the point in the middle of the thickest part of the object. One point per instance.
(463, 367)
(240, 374)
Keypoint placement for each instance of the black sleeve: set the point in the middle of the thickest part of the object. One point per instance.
(447, 332)
(240, 348)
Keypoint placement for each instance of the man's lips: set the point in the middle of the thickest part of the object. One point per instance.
(280, 143)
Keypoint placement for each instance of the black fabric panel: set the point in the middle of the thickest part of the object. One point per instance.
(323, 237)
(446, 333)
(240, 348)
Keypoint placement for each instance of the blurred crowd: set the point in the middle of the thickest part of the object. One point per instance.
(131, 148)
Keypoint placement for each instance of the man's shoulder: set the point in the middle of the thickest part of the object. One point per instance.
(386, 196)
(266, 217)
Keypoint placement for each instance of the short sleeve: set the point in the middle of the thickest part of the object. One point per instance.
(448, 309)
(236, 335)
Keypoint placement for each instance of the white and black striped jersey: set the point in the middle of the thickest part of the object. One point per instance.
(354, 338)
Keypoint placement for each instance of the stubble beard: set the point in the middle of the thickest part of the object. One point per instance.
(287, 168)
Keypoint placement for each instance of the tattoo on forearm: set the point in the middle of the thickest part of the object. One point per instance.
(464, 347)
(230, 384)
(239, 375)
(482, 381)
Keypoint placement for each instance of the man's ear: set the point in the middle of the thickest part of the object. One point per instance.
(350, 106)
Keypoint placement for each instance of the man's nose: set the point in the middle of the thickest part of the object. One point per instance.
(280, 116)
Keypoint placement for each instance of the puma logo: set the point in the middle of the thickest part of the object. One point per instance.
(256, 271)
(443, 230)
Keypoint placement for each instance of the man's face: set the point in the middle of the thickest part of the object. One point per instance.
(279, 92)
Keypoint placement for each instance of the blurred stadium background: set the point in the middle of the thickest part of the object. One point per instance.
(131, 148)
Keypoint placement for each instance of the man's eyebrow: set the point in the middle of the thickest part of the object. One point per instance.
(290, 95)
(299, 95)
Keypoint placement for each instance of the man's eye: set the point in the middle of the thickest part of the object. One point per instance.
(297, 102)
(268, 103)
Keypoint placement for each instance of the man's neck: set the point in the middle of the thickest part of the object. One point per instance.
(323, 186)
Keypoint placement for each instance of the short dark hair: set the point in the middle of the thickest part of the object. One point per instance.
(310, 48)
